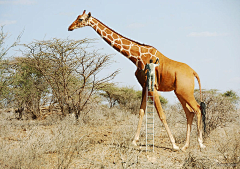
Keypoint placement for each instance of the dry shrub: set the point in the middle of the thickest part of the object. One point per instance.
(197, 162)
(175, 114)
(177, 121)
(227, 143)
(102, 115)
(133, 106)
(219, 109)
(27, 144)
(225, 148)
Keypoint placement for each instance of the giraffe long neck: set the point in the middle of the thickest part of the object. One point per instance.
(139, 54)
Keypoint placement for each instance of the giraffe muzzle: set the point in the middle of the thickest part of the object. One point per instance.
(70, 29)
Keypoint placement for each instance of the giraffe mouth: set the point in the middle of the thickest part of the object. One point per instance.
(70, 29)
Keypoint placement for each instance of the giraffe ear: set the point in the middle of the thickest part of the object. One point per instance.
(89, 14)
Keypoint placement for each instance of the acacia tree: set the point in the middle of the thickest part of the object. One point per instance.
(70, 70)
(111, 94)
(19, 84)
(26, 86)
(125, 97)
(3, 63)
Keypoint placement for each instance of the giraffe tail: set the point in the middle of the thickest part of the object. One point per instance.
(203, 112)
(202, 104)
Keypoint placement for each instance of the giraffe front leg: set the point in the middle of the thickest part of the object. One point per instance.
(189, 115)
(141, 115)
(136, 138)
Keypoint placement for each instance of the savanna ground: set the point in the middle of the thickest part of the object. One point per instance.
(102, 139)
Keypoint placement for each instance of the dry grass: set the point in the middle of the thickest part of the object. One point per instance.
(103, 140)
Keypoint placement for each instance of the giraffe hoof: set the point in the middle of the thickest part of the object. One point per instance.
(202, 146)
(134, 143)
(176, 148)
(184, 148)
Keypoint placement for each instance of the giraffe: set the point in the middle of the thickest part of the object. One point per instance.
(170, 75)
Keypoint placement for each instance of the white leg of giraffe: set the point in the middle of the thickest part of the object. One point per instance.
(141, 115)
(136, 138)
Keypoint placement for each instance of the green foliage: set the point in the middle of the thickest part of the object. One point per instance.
(163, 100)
(125, 97)
(3, 62)
(120, 95)
(5, 69)
(25, 86)
(3, 77)
(231, 95)
(111, 94)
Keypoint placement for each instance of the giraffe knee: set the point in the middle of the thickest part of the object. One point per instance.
(198, 113)
(189, 108)
(141, 112)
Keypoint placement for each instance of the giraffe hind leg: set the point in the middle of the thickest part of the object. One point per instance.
(189, 115)
(196, 108)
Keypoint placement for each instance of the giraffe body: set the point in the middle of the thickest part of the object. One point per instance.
(169, 75)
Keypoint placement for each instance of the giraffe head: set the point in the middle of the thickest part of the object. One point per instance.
(81, 21)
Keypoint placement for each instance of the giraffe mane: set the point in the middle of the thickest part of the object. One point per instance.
(123, 36)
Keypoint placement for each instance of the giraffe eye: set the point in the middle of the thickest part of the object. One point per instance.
(80, 20)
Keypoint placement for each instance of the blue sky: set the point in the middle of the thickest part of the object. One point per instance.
(203, 34)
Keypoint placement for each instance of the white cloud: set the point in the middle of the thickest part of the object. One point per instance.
(8, 22)
(17, 2)
(206, 34)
